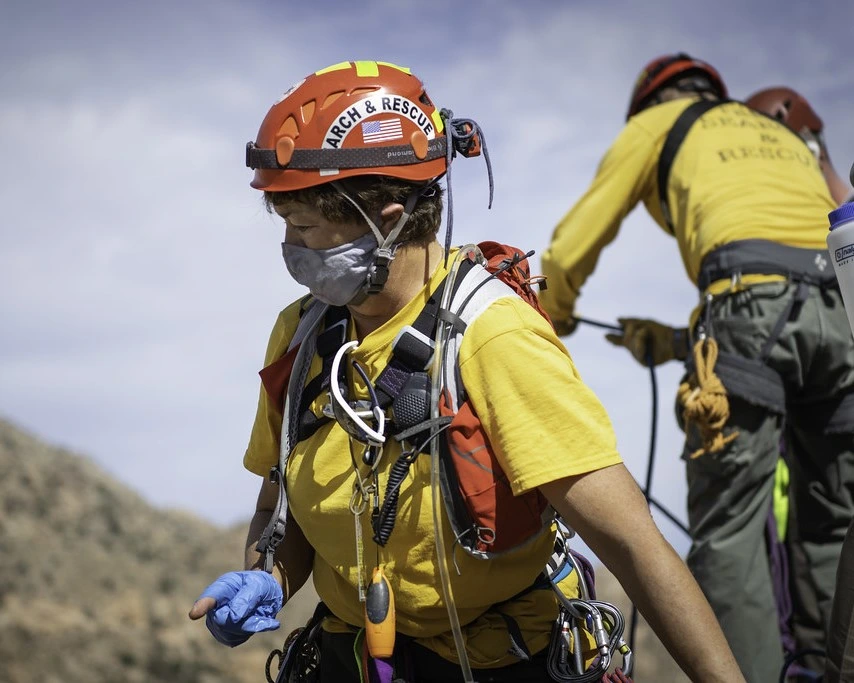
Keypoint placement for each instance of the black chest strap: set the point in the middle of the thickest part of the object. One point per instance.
(334, 334)
(672, 144)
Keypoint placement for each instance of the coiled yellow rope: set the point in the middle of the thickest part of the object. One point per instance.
(704, 401)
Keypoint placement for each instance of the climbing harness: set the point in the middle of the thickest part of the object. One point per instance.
(752, 379)
(586, 636)
(714, 374)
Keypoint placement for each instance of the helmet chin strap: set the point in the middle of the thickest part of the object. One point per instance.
(385, 252)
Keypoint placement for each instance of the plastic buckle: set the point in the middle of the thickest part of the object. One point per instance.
(414, 348)
(379, 273)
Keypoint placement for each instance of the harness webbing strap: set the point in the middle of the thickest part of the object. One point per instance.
(304, 342)
(790, 312)
(517, 648)
(672, 143)
(408, 357)
(274, 532)
(328, 342)
(455, 321)
(763, 257)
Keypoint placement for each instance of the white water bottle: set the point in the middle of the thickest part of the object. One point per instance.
(840, 244)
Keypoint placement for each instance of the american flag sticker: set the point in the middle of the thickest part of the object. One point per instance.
(382, 130)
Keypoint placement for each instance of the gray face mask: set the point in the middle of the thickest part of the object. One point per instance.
(334, 276)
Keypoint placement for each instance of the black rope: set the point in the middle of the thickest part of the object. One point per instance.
(650, 462)
(596, 323)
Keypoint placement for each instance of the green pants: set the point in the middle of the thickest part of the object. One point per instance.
(730, 492)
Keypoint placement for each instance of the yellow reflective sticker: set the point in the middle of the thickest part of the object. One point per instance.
(437, 121)
(334, 67)
(365, 69)
(404, 69)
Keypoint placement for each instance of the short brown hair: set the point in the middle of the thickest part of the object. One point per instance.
(372, 192)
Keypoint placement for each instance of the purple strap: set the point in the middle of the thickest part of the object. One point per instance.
(586, 569)
(779, 565)
(380, 670)
(778, 560)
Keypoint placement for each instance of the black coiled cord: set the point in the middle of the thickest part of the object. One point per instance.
(383, 523)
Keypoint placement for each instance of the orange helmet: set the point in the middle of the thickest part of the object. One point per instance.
(788, 107)
(354, 118)
(664, 70)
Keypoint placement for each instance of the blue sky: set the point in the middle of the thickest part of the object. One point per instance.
(140, 274)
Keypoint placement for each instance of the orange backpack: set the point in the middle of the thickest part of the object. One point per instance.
(486, 517)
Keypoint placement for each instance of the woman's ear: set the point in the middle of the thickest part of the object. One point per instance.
(389, 216)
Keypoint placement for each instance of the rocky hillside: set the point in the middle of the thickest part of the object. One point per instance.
(95, 583)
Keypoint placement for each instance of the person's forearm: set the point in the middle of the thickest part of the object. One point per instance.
(839, 189)
(652, 574)
(660, 585)
(294, 556)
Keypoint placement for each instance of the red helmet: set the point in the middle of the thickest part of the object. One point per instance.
(664, 70)
(788, 107)
(352, 118)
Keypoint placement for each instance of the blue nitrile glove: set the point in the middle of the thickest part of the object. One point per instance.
(246, 603)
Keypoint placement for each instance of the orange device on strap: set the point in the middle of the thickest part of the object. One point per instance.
(379, 616)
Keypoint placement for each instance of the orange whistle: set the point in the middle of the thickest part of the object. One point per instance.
(379, 616)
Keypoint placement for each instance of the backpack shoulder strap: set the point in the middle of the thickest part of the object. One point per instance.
(305, 339)
(672, 143)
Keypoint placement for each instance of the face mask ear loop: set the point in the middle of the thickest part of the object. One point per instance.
(386, 248)
(373, 226)
(385, 253)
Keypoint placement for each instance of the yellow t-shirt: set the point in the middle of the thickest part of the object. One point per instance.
(543, 424)
(738, 175)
